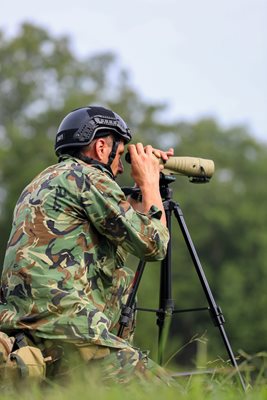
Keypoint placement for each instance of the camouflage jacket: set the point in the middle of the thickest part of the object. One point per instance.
(72, 228)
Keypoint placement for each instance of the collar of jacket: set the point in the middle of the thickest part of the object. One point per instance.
(91, 162)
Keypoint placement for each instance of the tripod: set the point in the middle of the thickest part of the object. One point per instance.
(166, 303)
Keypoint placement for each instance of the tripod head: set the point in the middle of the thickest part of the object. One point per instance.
(164, 182)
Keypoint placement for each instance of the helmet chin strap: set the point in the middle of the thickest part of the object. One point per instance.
(113, 151)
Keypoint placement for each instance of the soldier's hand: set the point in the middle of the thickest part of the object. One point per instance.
(164, 155)
(145, 166)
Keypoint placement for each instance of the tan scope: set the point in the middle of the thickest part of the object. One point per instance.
(189, 166)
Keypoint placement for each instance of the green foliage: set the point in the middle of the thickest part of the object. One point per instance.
(41, 80)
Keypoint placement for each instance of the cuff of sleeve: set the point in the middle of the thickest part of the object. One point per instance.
(154, 212)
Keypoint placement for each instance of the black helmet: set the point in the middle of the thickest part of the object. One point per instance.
(84, 124)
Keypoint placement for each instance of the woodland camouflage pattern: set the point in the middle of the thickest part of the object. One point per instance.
(64, 276)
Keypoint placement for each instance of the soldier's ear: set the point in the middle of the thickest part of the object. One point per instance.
(101, 149)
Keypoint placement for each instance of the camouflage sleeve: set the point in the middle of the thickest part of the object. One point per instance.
(142, 235)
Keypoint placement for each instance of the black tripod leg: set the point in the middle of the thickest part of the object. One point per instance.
(127, 310)
(166, 303)
(214, 309)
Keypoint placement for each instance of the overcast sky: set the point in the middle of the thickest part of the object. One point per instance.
(204, 58)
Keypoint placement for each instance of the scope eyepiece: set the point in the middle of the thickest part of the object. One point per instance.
(128, 157)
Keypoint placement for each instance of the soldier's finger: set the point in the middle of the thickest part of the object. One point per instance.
(132, 150)
(139, 148)
(148, 150)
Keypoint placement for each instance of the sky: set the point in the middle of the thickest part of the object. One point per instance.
(203, 58)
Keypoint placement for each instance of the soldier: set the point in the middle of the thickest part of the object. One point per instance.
(64, 278)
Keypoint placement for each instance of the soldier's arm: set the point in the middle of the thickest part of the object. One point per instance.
(139, 233)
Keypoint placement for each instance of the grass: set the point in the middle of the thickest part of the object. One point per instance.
(194, 389)
(88, 384)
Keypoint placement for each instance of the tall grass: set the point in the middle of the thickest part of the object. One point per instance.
(192, 389)
(88, 383)
(90, 386)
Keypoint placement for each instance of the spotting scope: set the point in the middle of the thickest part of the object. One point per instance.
(199, 170)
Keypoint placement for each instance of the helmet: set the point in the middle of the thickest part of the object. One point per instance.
(84, 124)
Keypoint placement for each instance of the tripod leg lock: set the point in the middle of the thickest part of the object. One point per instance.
(217, 316)
(126, 315)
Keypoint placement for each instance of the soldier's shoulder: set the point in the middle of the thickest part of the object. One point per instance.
(91, 173)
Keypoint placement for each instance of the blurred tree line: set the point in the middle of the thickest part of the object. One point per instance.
(41, 80)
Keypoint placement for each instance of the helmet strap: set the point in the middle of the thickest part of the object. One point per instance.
(113, 151)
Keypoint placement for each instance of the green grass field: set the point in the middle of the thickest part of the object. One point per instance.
(210, 380)
(194, 389)
(89, 384)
